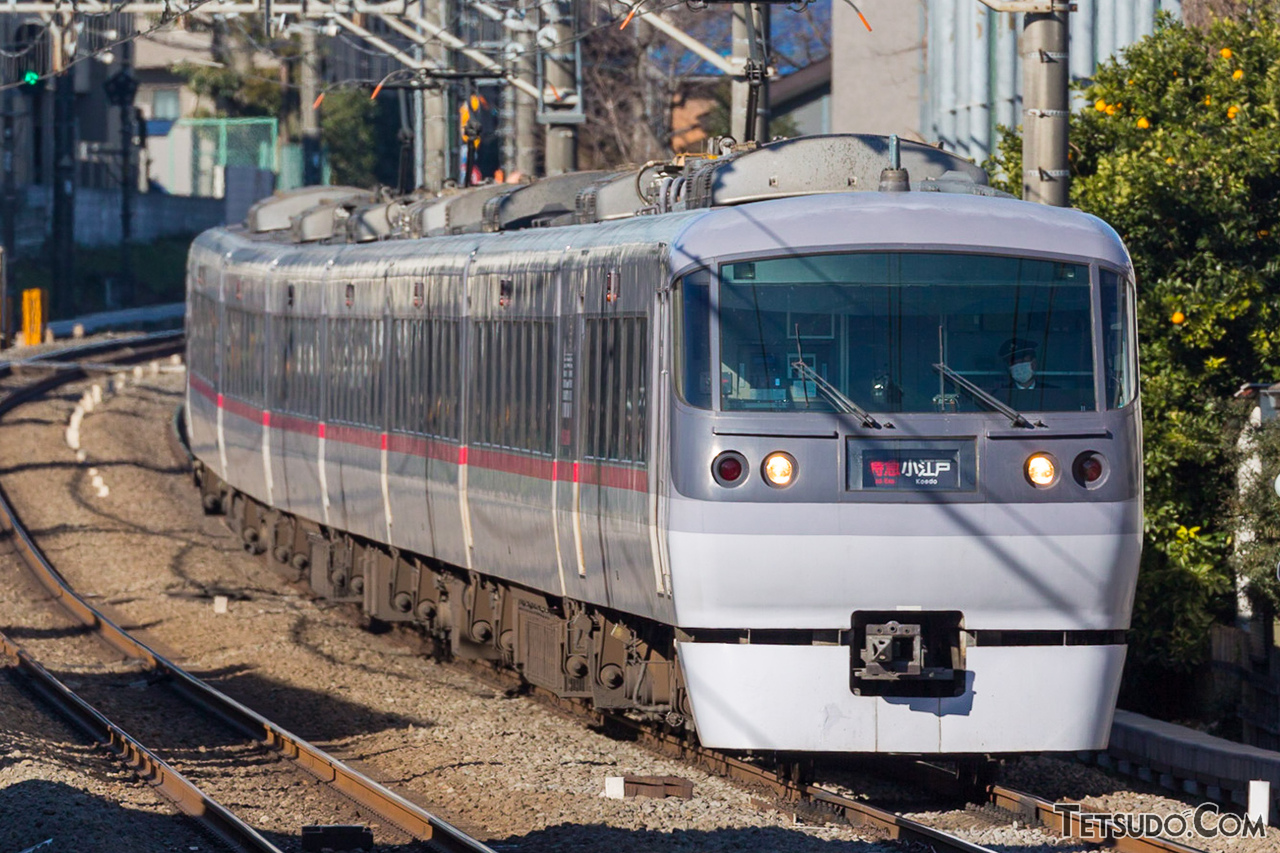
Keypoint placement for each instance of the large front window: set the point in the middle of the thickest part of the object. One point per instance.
(900, 332)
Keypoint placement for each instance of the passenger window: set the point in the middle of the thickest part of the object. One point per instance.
(693, 338)
(1119, 339)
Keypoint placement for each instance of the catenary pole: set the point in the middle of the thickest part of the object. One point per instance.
(1046, 108)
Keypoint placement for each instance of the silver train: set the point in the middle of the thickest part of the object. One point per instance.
(831, 449)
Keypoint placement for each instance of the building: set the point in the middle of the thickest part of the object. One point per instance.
(948, 70)
(804, 98)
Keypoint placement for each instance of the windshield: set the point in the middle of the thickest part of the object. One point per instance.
(878, 328)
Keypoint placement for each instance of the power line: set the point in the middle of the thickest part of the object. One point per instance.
(164, 21)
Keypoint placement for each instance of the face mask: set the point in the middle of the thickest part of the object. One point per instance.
(1022, 372)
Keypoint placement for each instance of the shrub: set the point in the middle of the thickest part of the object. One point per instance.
(1179, 150)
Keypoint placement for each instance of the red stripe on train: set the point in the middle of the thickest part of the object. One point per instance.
(239, 409)
(587, 473)
(291, 423)
(204, 389)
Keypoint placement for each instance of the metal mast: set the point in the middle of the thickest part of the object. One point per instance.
(1046, 113)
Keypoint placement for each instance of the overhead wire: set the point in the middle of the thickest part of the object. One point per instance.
(169, 17)
(164, 21)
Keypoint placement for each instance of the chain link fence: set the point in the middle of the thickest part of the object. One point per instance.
(201, 149)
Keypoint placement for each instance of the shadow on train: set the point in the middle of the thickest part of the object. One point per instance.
(37, 811)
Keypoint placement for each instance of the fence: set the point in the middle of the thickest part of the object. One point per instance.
(199, 150)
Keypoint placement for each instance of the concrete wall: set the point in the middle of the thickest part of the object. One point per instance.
(878, 77)
(98, 217)
(948, 70)
(154, 215)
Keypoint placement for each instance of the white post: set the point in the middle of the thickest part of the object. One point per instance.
(1260, 801)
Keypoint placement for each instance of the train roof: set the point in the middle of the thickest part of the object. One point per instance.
(813, 223)
(916, 220)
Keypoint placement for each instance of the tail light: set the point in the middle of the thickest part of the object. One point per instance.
(729, 468)
(1090, 469)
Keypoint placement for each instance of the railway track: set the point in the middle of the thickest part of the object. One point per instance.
(190, 798)
(788, 783)
(808, 798)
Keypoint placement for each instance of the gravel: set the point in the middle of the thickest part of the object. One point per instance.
(502, 768)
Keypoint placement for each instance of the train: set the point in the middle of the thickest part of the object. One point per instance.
(816, 446)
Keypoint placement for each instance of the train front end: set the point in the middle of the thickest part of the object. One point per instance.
(905, 511)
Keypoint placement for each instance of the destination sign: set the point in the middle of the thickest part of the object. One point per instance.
(910, 469)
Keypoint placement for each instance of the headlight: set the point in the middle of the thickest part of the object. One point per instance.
(779, 469)
(1042, 470)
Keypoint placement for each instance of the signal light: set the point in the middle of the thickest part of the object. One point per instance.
(729, 468)
(1041, 470)
(31, 78)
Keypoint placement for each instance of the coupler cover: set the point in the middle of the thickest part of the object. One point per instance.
(907, 653)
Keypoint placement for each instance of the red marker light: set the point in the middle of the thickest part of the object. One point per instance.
(1090, 469)
(730, 469)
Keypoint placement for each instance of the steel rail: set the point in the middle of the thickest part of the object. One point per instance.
(157, 773)
(856, 813)
(1077, 824)
(356, 786)
(90, 348)
(896, 826)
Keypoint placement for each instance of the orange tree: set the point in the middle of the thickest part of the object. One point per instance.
(1178, 148)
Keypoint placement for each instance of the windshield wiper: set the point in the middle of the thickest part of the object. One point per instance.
(1009, 412)
(832, 393)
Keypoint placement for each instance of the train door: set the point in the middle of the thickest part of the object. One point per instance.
(659, 439)
(577, 538)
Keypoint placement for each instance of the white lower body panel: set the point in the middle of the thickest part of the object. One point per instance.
(1018, 699)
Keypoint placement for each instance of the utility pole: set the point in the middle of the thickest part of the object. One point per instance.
(749, 89)
(558, 40)
(9, 234)
(436, 111)
(64, 191)
(1046, 107)
(307, 92)
(418, 121)
(526, 105)
(121, 87)
(738, 88)
(1046, 176)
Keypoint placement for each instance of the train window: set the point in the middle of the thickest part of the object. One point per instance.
(1118, 341)
(443, 416)
(243, 358)
(202, 337)
(513, 382)
(693, 351)
(422, 402)
(356, 378)
(295, 366)
(614, 393)
(798, 332)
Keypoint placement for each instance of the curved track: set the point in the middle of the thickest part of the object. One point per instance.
(806, 797)
(364, 791)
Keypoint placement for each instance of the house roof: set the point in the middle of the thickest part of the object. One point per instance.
(801, 85)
